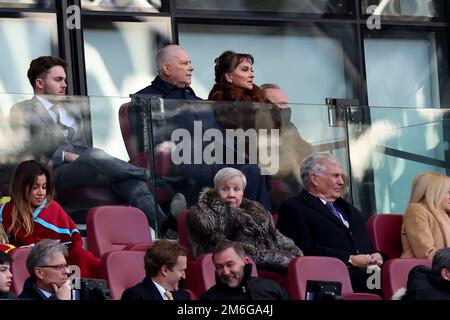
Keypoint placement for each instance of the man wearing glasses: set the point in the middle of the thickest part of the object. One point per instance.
(48, 268)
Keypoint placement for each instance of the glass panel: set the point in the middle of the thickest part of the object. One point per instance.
(193, 140)
(421, 8)
(32, 35)
(399, 144)
(107, 43)
(295, 6)
(31, 132)
(125, 5)
(402, 69)
(310, 62)
(41, 4)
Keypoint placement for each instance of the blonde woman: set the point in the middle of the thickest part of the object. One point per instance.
(426, 223)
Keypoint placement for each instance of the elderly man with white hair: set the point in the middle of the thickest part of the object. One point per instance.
(324, 224)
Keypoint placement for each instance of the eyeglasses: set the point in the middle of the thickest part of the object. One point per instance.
(58, 267)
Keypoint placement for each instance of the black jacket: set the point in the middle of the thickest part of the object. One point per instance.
(8, 295)
(307, 221)
(168, 91)
(315, 230)
(251, 288)
(423, 284)
(146, 290)
(32, 292)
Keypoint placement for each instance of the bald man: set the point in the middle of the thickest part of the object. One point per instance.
(174, 67)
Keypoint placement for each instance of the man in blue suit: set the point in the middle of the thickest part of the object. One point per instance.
(321, 223)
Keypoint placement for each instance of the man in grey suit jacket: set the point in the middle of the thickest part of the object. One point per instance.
(51, 129)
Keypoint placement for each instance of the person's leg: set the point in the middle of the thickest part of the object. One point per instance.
(136, 193)
(110, 166)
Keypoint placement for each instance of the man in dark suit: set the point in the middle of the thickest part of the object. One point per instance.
(321, 223)
(51, 127)
(174, 67)
(165, 265)
(49, 273)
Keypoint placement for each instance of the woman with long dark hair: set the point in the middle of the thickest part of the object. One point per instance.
(33, 215)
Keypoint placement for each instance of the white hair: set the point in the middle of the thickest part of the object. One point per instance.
(226, 174)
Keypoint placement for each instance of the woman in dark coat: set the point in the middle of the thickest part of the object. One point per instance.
(223, 214)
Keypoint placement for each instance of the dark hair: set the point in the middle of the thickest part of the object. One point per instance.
(39, 67)
(441, 260)
(237, 246)
(227, 62)
(5, 258)
(23, 180)
(162, 253)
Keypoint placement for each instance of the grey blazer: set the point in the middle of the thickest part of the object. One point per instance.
(39, 136)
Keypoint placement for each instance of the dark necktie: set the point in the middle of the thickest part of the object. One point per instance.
(66, 129)
(336, 213)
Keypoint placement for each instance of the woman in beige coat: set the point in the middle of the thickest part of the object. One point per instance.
(426, 223)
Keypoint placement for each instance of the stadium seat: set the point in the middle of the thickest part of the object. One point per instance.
(111, 228)
(122, 270)
(385, 234)
(19, 268)
(302, 269)
(394, 274)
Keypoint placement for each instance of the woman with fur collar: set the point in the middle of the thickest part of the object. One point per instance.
(426, 223)
(223, 214)
(234, 82)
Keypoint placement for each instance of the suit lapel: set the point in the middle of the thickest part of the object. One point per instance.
(318, 206)
(152, 289)
(44, 115)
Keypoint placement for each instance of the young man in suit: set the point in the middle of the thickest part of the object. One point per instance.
(51, 128)
(165, 265)
(322, 223)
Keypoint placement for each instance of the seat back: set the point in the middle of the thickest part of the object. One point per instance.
(302, 269)
(394, 274)
(19, 268)
(122, 270)
(182, 234)
(128, 136)
(385, 233)
(205, 273)
(112, 228)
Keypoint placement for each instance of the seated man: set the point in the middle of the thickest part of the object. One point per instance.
(53, 131)
(234, 280)
(48, 270)
(165, 265)
(321, 223)
(430, 284)
(175, 70)
(5, 277)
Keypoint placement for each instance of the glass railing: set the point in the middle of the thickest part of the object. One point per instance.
(380, 149)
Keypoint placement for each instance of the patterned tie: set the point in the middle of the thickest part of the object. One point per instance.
(168, 295)
(336, 213)
(69, 132)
